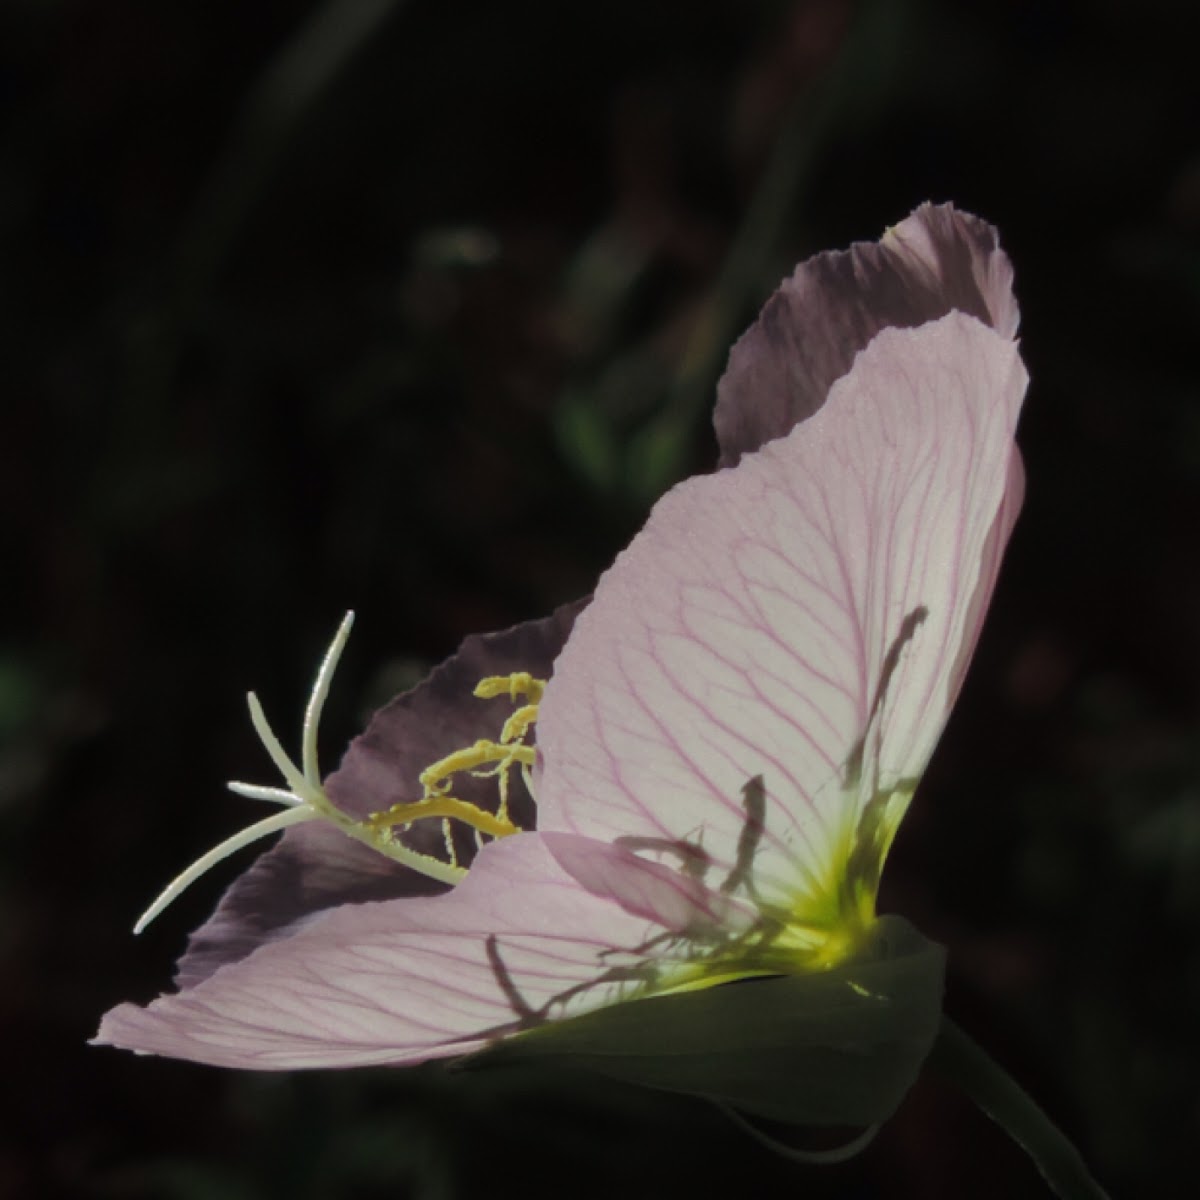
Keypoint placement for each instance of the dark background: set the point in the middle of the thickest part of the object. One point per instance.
(413, 308)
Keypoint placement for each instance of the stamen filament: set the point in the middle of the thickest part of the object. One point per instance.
(261, 829)
(527, 778)
(425, 864)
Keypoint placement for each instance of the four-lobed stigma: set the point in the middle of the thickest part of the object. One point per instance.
(304, 797)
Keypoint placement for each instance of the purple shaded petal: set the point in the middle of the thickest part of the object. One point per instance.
(440, 715)
(936, 261)
(770, 616)
(313, 867)
(519, 941)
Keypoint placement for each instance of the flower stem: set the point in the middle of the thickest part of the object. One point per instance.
(958, 1058)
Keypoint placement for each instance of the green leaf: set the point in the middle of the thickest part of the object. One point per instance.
(587, 440)
(839, 1047)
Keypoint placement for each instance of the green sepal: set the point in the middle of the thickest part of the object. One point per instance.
(840, 1046)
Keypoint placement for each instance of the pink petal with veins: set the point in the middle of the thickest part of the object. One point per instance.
(749, 627)
(673, 899)
(518, 942)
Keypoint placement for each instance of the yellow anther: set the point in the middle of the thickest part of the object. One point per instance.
(485, 759)
(524, 755)
(519, 724)
(447, 807)
(436, 779)
(514, 686)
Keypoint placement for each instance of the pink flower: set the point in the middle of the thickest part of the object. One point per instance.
(730, 734)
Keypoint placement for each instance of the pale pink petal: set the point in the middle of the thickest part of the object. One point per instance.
(312, 868)
(989, 567)
(668, 896)
(518, 942)
(749, 629)
(936, 261)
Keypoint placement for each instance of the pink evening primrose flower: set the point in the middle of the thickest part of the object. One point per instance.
(727, 737)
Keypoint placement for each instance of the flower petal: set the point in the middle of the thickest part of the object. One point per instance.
(989, 566)
(770, 616)
(313, 867)
(676, 901)
(780, 371)
(519, 941)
